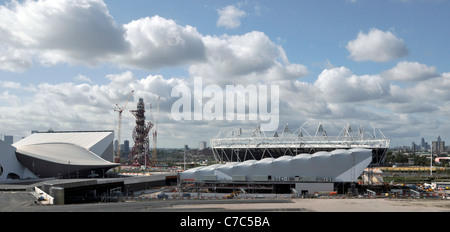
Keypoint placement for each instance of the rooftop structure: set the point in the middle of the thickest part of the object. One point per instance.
(335, 166)
(235, 147)
(65, 153)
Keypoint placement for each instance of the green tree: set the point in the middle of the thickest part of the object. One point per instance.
(421, 161)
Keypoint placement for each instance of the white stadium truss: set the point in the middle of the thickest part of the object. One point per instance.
(235, 147)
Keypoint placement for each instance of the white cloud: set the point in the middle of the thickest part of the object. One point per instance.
(428, 96)
(338, 96)
(62, 31)
(10, 85)
(311, 103)
(6, 97)
(376, 46)
(248, 58)
(83, 32)
(157, 42)
(341, 85)
(229, 17)
(410, 71)
(14, 60)
(83, 78)
(85, 106)
(50, 32)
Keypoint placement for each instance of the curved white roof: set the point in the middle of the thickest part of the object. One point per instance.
(63, 153)
(339, 165)
(95, 141)
(55, 153)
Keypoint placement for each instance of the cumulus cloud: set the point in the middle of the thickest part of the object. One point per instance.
(229, 17)
(312, 104)
(338, 95)
(251, 57)
(428, 96)
(341, 85)
(84, 106)
(51, 32)
(62, 31)
(14, 60)
(83, 32)
(410, 71)
(377, 45)
(156, 42)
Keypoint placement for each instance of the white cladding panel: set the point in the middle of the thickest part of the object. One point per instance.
(9, 165)
(338, 165)
(95, 141)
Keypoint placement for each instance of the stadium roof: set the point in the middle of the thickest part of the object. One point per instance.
(63, 153)
(338, 165)
(85, 139)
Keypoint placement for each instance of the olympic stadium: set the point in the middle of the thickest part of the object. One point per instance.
(292, 161)
(236, 147)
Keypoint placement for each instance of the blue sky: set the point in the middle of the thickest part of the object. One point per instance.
(382, 64)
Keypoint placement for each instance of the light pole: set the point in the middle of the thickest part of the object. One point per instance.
(68, 174)
(431, 161)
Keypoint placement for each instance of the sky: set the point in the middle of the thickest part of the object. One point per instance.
(384, 65)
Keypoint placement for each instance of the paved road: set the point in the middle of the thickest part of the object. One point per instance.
(16, 201)
(25, 202)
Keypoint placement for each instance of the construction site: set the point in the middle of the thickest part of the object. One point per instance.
(288, 165)
(139, 155)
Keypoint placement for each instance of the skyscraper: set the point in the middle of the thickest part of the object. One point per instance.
(9, 139)
(438, 146)
(423, 145)
(202, 145)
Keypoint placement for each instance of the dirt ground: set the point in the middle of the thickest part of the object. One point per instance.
(339, 205)
(22, 201)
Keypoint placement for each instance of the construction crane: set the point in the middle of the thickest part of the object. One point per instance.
(120, 110)
(155, 134)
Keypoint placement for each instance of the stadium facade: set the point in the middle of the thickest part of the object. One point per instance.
(57, 154)
(302, 174)
(335, 166)
(237, 148)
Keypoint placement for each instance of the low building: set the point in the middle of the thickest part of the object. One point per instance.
(318, 170)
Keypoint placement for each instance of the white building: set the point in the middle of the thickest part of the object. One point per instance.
(202, 145)
(334, 166)
(10, 167)
(56, 154)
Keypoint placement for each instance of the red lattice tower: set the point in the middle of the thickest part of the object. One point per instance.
(139, 153)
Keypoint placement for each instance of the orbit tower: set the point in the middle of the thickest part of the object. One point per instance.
(139, 153)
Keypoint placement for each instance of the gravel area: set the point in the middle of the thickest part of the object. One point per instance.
(23, 201)
(337, 205)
